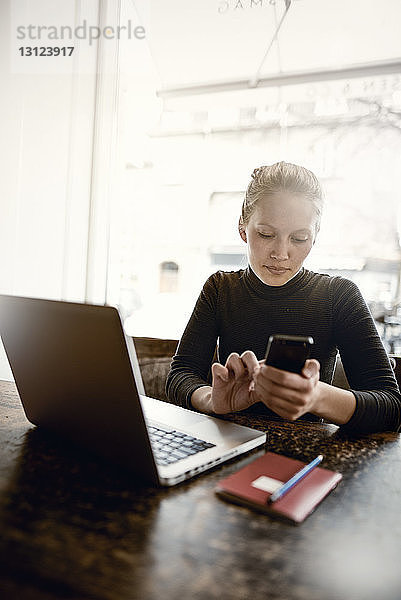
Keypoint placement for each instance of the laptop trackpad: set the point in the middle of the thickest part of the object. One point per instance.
(205, 427)
(169, 414)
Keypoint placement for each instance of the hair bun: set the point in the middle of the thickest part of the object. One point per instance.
(257, 172)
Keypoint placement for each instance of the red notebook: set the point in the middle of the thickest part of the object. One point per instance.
(253, 485)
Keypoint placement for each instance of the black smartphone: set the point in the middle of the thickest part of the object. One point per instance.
(288, 352)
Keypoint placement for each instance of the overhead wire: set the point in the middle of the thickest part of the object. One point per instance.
(256, 78)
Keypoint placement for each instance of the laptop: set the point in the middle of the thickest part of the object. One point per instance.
(77, 374)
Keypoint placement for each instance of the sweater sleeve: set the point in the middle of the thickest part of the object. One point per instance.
(366, 364)
(190, 367)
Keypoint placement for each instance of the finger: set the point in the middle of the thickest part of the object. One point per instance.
(284, 409)
(250, 361)
(296, 397)
(287, 379)
(219, 372)
(311, 368)
(235, 365)
(254, 373)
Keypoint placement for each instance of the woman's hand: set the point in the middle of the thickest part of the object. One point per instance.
(232, 387)
(290, 395)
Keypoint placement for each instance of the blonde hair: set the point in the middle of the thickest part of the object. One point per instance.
(281, 176)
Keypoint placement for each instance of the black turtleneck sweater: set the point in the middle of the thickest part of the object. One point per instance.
(239, 312)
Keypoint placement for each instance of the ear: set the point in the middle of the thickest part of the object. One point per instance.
(242, 230)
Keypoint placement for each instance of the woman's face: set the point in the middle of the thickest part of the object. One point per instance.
(280, 234)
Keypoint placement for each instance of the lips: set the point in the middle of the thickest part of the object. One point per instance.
(277, 270)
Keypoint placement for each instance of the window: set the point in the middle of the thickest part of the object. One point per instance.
(185, 159)
(168, 277)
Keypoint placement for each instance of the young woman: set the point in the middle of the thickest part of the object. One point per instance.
(275, 294)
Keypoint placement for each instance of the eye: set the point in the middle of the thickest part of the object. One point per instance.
(300, 240)
(267, 236)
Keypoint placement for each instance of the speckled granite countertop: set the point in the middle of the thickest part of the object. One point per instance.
(72, 528)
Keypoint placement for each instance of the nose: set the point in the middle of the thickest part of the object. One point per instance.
(279, 250)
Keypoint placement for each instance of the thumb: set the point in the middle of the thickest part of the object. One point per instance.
(311, 368)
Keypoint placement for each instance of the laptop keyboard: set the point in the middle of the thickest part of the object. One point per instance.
(170, 446)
